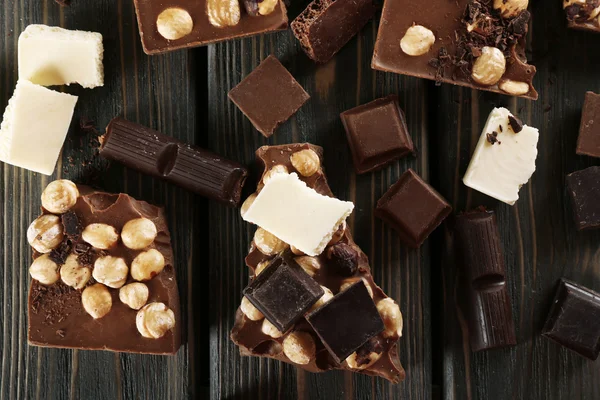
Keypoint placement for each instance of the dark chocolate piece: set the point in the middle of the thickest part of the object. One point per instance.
(584, 188)
(583, 16)
(413, 208)
(347, 321)
(283, 292)
(203, 32)
(268, 96)
(574, 319)
(325, 26)
(377, 134)
(164, 157)
(515, 123)
(588, 142)
(461, 29)
(488, 306)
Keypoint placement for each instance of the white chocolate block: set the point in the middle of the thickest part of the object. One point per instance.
(34, 127)
(297, 214)
(500, 169)
(55, 56)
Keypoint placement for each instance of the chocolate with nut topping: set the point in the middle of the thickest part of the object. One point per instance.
(583, 15)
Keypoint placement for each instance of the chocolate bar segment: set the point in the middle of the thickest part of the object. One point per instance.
(584, 189)
(169, 159)
(482, 262)
(583, 14)
(588, 142)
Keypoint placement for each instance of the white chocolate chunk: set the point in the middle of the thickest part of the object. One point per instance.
(297, 214)
(500, 169)
(55, 56)
(34, 127)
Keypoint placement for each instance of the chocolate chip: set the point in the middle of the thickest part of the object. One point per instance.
(71, 224)
(515, 123)
(343, 257)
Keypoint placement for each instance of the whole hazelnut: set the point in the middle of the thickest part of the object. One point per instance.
(306, 162)
(344, 258)
(100, 236)
(154, 320)
(111, 271)
(250, 311)
(309, 264)
(45, 233)
(270, 330)
(489, 67)
(391, 316)
(510, 8)
(417, 40)
(223, 13)
(60, 196)
(44, 270)
(135, 295)
(174, 23)
(327, 295)
(274, 170)
(267, 243)
(96, 300)
(138, 233)
(346, 283)
(260, 267)
(247, 203)
(515, 88)
(299, 347)
(147, 265)
(74, 274)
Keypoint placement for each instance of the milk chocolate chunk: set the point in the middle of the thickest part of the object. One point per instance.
(325, 26)
(475, 43)
(377, 134)
(583, 14)
(169, 159)
(413, 208)
(588, 142)
(574, 319)
(486, 299)
(584, 189)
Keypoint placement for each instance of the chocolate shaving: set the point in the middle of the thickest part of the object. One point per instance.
(72, 226)
(492, 137)
(60, 332)
(59, 255)
(87, 125)
(52, 301)
(87, 259)
(515, 124)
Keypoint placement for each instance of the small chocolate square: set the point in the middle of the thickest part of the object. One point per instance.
(268, 96)
(377, 133)
(347, 321)
(574, 319)
(584, 189)
(588, 142)
(283, 292)
(413, 208)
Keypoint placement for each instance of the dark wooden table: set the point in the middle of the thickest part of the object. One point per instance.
(184, 94)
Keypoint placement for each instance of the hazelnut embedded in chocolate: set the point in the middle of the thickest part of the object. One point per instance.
(45, 233)
(343, 257)
(174, 23)
(60, 196)
(299, 347)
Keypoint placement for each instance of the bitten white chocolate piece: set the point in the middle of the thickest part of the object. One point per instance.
(50, 56)
(503, 160)
(34, 127)
(297, 214)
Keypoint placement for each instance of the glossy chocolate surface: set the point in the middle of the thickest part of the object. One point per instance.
(588, 142)
(584, 189)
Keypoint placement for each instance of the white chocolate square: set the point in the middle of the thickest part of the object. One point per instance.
(55, 56)
(34, 127)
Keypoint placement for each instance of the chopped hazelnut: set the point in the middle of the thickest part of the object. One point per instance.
(489, 67)
(267, 243)
(346, 283)
(96, 300)
(266, 7)
(247, 203)
(338, 234)
(309, 264)
(269, 329)
(250, 311)
(371, 359)
(417, 40)
(306, 162)
(392, 317)
(135, 295)
(45, 233)
(174, 23)
(44, 270)
(276, 169)
(60, 196)
(138, 233)
(147, 265)
(111, 271)
(299, 347)
(223, 13)
(154, 320)
(515, 88)
(100, 236)
(327, 295)
(74, 274)
(510, 8)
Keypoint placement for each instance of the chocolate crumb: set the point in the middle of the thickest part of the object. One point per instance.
(87, 259)
(59, 255)
(515, 123)
(492, 137)
(71, 225)
(500, 128)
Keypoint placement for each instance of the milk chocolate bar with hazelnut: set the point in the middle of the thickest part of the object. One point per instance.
(103, 274)
(583, 14)
(341, 265)
(475, 43)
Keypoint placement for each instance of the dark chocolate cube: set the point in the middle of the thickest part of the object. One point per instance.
(413, 208)
(377, 133)
(588, 142)
(268, 96)
(283, 292)
(347, 321)
(584, 188)
(574, 319)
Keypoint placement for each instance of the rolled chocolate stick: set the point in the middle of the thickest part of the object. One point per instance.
(489, 308)
(169, 159)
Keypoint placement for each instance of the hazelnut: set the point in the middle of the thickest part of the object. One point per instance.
(306, 162)
(267, 243)
(328, 295)
(174, 23)
(45, 233)
(96, 300)
(147, 265)
(155, 320)
(356, 362)
(222, 13)
(60, 196)
(274, 170)
(138, 233)
(270, 330)
(510, 8)
(260, 267)
(392, 317)
(417, 40)
(299, 347)
(349, 282)
(338, 234)
(44, 270)
(100, 236)
(514, 87)
(250, 311)
(296, 251)
(344, 258)
(111, 271)
(135, 295)
(266, 7)
(247, 203)
(309, 264)
(74, 274)
(489, 67)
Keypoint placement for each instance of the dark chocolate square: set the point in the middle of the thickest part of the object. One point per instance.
(268, 96)
(574, 319)
(584, 188)
(347, 321)
(377, 133)
(588, 142)
(413, 208)
(283, 292)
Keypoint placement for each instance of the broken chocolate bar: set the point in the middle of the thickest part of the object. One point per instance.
(341, 265)
(103, 274)
(584, 189)
(164, 157)
(588, 142)
(583, 14)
